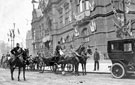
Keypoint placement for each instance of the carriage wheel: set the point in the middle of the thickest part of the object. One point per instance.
(69, 67)
(117, 70)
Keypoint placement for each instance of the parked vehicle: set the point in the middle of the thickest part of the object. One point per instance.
(122, 55)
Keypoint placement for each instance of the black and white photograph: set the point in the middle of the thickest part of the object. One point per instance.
(67, 42)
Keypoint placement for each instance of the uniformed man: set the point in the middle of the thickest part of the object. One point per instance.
(17, 51)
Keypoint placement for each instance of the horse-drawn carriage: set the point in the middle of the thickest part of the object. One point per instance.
(122, 55)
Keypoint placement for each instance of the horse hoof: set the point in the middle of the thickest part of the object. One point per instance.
(24, 79)
(12, 78)
(18, 79)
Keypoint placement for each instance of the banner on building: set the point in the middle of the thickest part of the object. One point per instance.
(76, 31)
(92, 25)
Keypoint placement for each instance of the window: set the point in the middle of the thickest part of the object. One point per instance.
(61, 40)
(61, 21)
(78, 8)
(60, 10)
(87, 5)
(116, 47)
(127, 47)
(81, 5)
(66, 6)
(67, 38)
(67, 18)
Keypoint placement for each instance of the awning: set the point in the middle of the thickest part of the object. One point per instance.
(46, 38)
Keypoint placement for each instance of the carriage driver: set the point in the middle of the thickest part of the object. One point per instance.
(57, 50)
(16, 51)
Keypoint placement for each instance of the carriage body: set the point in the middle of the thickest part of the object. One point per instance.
(122, 55)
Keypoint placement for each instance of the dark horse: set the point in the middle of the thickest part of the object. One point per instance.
(82, 51)
(70, 59)
(20, 62)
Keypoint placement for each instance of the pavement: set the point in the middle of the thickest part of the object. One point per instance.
(103, 67)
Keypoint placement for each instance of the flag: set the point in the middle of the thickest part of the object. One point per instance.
(116, 24)
(18, 31)
(13, 32)
(129, 31)
(92, 26)
(10, 33)
(91, 5)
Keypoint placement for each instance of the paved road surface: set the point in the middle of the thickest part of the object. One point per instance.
(48, 78)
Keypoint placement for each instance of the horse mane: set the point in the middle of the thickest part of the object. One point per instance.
(78, 50)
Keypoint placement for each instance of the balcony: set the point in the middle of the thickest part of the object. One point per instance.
(81, 18)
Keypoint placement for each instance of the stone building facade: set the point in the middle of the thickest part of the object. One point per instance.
(29, 42)
(88, 22)
(42, 27)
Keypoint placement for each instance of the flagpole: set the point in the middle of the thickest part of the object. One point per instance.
(13, 34)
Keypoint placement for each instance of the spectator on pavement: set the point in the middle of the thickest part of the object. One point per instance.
(96, 60)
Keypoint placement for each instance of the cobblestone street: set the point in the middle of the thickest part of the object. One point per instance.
(49, 78)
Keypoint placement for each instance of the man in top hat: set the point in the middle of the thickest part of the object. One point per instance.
(96, 59)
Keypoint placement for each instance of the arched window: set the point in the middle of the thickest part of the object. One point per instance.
(84, 32)
(67, 38)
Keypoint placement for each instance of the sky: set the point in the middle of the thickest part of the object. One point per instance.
(18, 12)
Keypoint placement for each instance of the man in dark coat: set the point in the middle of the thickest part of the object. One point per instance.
(96, 59)
(16, 51)
(57, 51)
